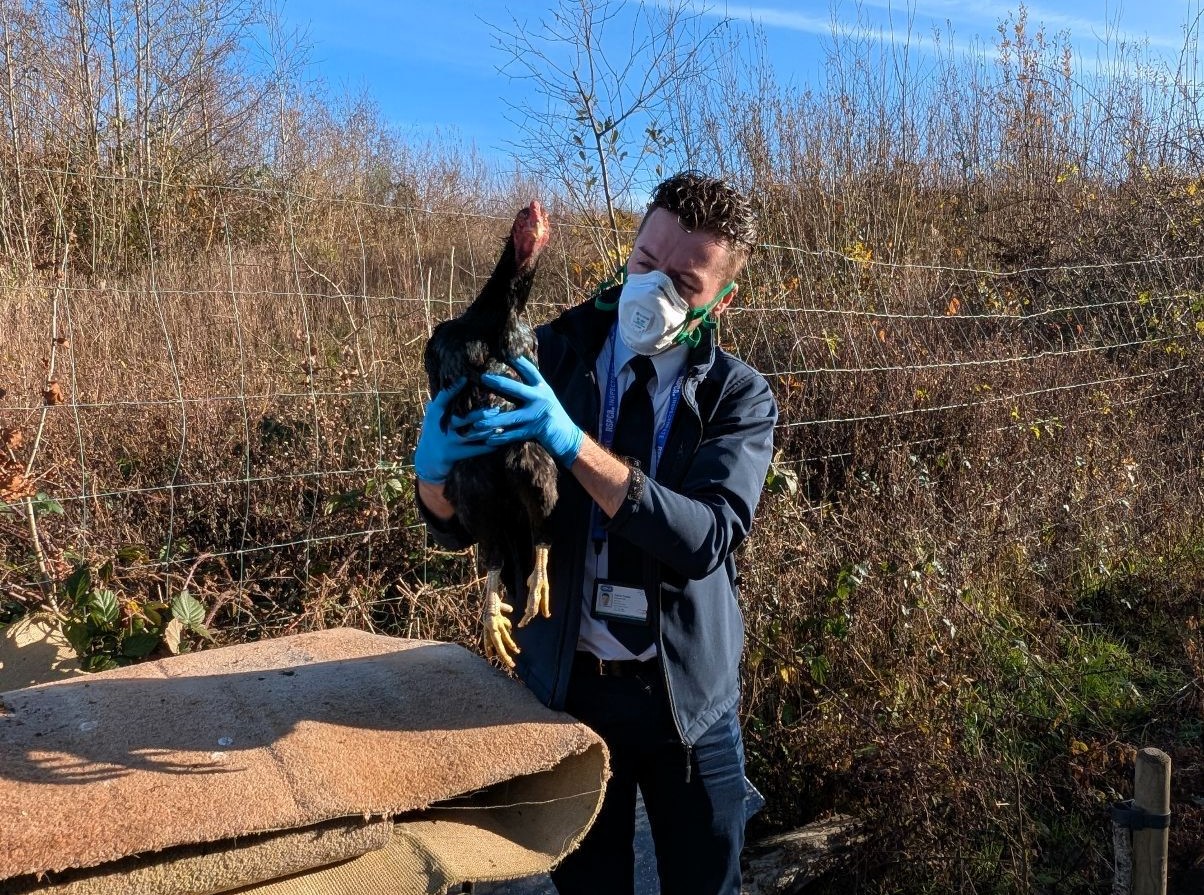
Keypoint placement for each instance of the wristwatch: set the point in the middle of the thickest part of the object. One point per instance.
(635, 485)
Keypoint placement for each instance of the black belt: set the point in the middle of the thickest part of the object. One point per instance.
(588, 663)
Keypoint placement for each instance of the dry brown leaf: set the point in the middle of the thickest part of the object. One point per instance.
(3, 392)
(12, 439)
(171, 636)
(14, 486)
(955, 305)
(62, 342)
(53, 394)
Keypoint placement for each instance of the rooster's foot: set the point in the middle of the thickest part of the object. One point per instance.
(538, 589)
(495, 623)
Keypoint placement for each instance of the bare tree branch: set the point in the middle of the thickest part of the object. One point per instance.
(605, 74)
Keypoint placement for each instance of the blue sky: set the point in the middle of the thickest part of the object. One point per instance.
(433, 65)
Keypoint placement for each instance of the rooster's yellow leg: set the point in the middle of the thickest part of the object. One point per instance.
(538, 589)
(496, 625)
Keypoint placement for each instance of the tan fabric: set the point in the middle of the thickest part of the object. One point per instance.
(520, 828)
(278, 735)
(216, 867)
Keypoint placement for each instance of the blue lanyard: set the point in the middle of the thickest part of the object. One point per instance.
(610, 412)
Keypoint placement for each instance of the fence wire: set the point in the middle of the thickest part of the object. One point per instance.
(263, 396)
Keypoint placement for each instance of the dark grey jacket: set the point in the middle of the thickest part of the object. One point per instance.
(690, 521)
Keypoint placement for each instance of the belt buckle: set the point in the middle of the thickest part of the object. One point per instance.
(602, 671)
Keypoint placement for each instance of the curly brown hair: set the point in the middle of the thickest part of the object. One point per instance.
(712, 205)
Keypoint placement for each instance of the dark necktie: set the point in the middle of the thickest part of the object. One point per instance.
(634, 433)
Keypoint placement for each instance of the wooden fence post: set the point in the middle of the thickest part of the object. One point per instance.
(1152, 797)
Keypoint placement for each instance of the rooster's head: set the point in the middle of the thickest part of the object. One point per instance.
(530, 234)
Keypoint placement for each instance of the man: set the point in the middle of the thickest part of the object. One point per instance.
(658, 488)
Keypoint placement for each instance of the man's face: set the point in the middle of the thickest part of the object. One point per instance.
(698, 263)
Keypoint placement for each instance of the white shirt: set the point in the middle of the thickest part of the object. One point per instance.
(595, 636)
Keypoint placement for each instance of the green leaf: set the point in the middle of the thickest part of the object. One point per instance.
(347, 500)
(187, 609)
(819, 669)
(78, 584)
(781, 479)
(837, 627)
(132, 553)
(136, 646)
(99, 662)
(103, 607)
(43, 503)
(79, 635)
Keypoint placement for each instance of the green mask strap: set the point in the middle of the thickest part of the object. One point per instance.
(694, 336)
(618, 279)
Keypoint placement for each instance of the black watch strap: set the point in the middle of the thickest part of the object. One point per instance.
(635, 486)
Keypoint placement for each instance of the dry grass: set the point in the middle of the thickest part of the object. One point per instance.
(974, 583)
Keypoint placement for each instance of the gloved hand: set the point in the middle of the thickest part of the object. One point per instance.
(438, 448)
(538, 415)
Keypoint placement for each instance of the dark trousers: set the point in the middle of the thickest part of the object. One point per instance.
(694, 798)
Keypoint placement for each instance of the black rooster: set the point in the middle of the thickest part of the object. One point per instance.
(501, 496)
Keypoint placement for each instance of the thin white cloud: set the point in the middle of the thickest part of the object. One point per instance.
(774, 18)
(991, 13)
(828, 27)
(984, 15)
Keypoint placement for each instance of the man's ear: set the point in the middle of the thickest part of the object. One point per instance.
(725, 301)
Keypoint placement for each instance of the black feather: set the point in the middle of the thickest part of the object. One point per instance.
(504, 498)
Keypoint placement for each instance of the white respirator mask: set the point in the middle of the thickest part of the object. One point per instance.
(653, 317)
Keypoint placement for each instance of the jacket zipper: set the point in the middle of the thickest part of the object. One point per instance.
(660, 635)
(660, 645)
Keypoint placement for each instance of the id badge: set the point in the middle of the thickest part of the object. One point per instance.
(620, 602)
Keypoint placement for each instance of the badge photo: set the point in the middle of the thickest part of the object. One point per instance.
(620, 602)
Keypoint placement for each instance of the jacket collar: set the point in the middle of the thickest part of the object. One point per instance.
(586, 327)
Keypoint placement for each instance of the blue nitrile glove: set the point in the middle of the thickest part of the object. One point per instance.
(538, 415)
(439, 449)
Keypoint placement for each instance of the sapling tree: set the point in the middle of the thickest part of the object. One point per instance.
(596, 120)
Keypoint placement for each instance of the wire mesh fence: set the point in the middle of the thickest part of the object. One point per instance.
(987, 470)
(262, 396)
